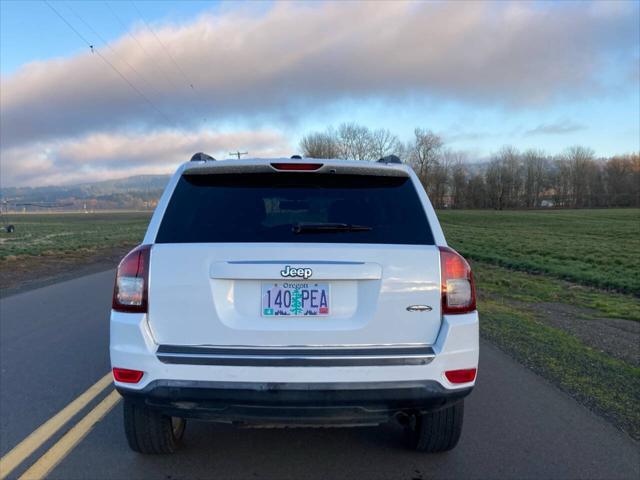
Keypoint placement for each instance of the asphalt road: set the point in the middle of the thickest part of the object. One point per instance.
(54, 345)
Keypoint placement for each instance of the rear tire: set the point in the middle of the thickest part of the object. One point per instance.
(151, 432)
(437, 431)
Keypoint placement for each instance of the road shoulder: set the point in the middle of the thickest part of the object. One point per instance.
(25, 273)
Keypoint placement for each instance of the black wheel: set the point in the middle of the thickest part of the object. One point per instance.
(437, 431)
(148, 431)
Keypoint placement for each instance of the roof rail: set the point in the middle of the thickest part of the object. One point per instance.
(202, 157)
(390, 159)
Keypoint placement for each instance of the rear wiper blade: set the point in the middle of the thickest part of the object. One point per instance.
(328, 228)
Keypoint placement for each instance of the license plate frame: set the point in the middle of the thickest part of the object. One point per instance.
(309, 305)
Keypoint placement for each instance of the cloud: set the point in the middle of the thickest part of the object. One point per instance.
(73, 119)
(291, 60)
(102, 156)
(467, 135)
(555, 128)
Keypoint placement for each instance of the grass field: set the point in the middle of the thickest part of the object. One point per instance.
(47, 248)
(599, 248)
(584, 340)
(57, 233)
(557, 290)
(545, 281)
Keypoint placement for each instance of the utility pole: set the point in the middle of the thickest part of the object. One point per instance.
(238, 153)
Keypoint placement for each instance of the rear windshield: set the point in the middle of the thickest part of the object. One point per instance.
(272, 207)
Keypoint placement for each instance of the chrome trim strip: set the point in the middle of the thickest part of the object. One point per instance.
(304, 386)
(306, 346)
(305, 357)
(291, 262)
(419, 308)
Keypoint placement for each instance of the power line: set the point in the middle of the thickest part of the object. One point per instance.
(104, 59)
(69, 25)
(126, 29)
(238, 153)
(163, 46)
(157, 65)
(112, 50)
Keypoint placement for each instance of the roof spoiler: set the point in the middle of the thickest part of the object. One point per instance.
(390, 159)
(202, 157)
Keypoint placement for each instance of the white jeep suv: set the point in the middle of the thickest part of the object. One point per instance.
(294, 292)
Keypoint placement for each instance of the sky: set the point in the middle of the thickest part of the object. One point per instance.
(108, 89)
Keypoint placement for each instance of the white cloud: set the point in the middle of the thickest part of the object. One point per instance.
(294, 57)
(560, 127)
(101, 156)
(257, 66)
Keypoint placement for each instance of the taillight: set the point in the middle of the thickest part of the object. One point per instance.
(457, 287)
(132, 282)
(292, 167)
(125, 375)
(461, 376)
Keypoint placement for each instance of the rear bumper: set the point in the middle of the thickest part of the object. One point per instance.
(244, 386)
(293, 403)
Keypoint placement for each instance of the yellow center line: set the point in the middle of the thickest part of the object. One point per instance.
(63, 447)
(36, 439)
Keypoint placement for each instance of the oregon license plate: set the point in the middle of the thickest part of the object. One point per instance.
(295, 299)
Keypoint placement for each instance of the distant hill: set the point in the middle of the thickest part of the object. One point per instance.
(141, 191)
(138, 192)
(137, 183)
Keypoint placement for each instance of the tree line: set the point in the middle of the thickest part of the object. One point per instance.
(509, 179)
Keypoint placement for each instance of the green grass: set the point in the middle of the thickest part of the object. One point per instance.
(55, 234)
(603, 383)
(575, 259)
(511, 317)
(499, 282)
(599, 248)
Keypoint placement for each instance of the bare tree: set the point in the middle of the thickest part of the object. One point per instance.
(535, 177)
(512, 175)
(622, 181)
(425, 152)
(320, 145)
(354, 142)
(459, 179)
(476, 195)
(510, 180)
(561, 182)
(504, 180)
(495, 187)
(439, 181)
(384, 143)
(579, 160)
